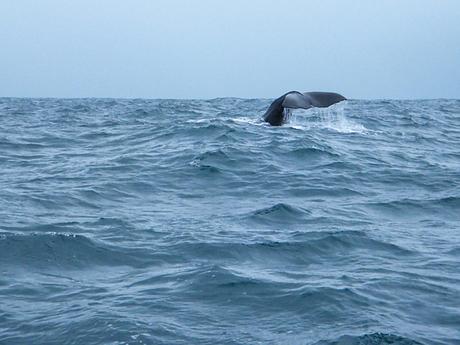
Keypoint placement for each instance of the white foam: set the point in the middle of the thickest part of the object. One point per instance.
(198, 121)
(248, 120)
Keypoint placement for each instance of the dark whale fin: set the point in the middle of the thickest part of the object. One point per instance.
(324, 99)
(295, 100)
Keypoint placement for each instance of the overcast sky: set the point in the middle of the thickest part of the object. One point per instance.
(219, 48)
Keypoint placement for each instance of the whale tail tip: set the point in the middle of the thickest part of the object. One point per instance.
(275, 114)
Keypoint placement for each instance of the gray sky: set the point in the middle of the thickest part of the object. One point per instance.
(219, 48)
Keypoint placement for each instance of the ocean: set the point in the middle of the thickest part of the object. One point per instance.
(136, 221)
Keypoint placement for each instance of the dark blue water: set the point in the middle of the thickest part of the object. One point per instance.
(192, 222)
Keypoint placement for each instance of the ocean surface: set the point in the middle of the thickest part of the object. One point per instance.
(192, 222)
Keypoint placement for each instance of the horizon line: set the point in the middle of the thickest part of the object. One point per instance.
(214, 98)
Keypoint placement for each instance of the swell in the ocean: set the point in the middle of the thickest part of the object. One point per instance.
(194, 222)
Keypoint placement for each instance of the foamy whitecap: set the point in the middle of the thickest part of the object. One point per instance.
(248, 120)
(198, 121)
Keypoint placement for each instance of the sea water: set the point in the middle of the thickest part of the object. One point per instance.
(133, 221)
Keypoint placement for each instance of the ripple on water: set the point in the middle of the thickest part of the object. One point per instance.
(136, 221)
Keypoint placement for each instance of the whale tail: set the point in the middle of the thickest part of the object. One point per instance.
(295, 100)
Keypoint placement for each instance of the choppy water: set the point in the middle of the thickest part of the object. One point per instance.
(192, 222)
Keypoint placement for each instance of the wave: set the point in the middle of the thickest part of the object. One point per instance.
(445, 207)
(304, 249)
(370, 339)
(279, 213)
(64, 251)
(312, 156)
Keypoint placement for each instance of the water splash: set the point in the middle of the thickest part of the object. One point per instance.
(333, 118)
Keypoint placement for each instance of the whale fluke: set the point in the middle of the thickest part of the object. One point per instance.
(295, 100)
